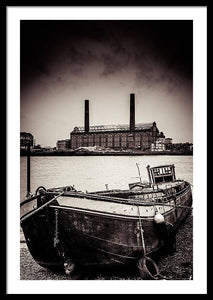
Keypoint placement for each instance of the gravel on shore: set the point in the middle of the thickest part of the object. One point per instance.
(175, 266)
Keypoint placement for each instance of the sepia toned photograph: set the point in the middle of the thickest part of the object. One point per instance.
(106, 150)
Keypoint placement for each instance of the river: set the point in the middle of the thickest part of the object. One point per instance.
(91, 173)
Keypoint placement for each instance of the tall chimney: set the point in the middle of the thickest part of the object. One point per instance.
(132, 112)
(86, 116)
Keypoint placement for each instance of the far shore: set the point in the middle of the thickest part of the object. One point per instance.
(102, 153)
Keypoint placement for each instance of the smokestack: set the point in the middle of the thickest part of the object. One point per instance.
(86, 116)
(132, 112)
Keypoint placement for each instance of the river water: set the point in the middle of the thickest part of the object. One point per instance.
(92, 173)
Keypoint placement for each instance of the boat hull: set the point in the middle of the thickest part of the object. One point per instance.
(60, 233)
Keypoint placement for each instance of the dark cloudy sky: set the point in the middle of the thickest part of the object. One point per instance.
(65, 62)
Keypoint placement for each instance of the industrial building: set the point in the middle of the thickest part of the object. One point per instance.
(133, 136)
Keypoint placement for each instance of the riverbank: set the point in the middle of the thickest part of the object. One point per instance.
(96, 153)
(175, 266)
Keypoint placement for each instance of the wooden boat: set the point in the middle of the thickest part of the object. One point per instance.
(65, 228)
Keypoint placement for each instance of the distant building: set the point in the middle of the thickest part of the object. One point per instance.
(158, 145)
(182, 147)
(168, 141)
(48, 149)
(26, 139)
(119, 137)
(63, 144)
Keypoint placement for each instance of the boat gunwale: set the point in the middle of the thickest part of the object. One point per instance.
(107, 214)
(131, 201)
(150, 204)
(96, 196)
(115, 200)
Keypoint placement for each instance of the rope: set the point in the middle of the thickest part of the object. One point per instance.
(175, 206)
(157, 276)
(142, 231)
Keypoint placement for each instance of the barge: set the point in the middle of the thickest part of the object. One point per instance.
(66, 229)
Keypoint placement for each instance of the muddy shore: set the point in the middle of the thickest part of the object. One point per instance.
(175, 266)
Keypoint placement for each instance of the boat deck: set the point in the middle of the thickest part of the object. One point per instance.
(124, 209)
(143, 203)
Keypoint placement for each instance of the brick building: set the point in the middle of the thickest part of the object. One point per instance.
(133, 136)
(63, 144)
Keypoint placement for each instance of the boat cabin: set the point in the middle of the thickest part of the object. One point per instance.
(161, 174)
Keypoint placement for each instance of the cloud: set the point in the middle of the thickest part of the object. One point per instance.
(60, 50)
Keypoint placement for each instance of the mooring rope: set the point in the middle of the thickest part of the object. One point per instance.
(142, 231)
(175, 206)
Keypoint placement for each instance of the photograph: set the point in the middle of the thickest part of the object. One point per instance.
(100, 99)
(106, 150)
